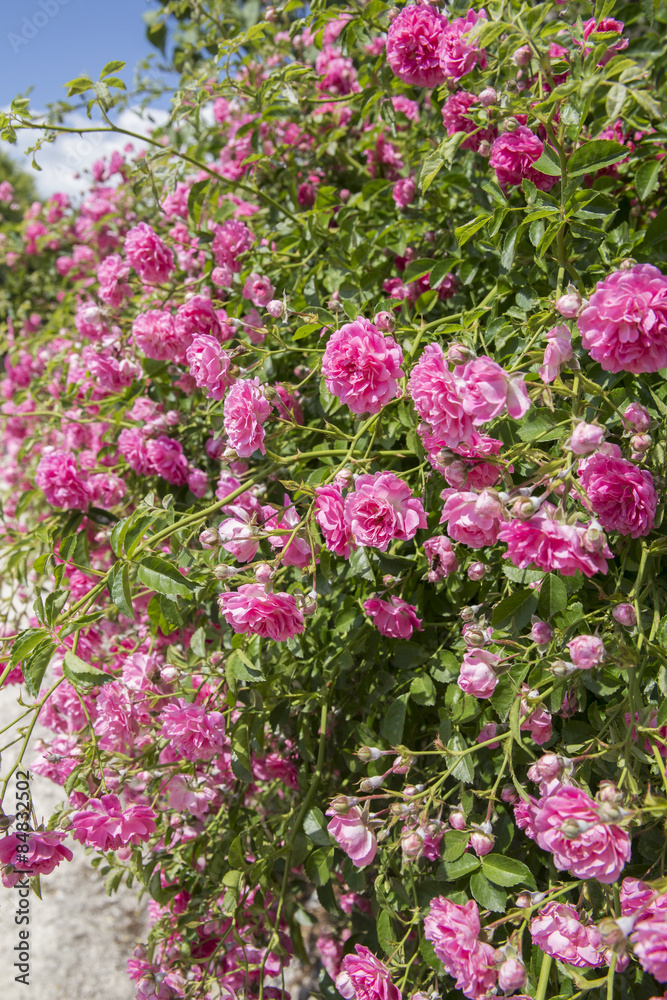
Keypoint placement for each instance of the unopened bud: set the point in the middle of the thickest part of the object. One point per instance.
(370, 784)
(475, 635)
(271, 15)
(467, 614)
(476, 571)
(367, 754)
(412, 844)
(276, 309)
(612, 934)
(523, 508)
(458, 354)
(625, 614)
(593, 539)
(484, 148)
(641, 443)
(573, 828)
(457, 820)
(481, 843)
(608, 792)
(209, 539)
(488, 96)
(510, 124)
(343, 803)
(222, 572)
(522, 56)
(569, 305)
(561, 668)
(512, 975)
(541, 633)
(526, 899)
(385, 322)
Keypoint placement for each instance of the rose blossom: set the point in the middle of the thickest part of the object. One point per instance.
(586, 438)
(382, 508)
(599, 850)
(330, 515)
(245, 410)
(258, 289)
(586, 651)
(622, 496)
(107, 825)
(649, 942)
(550, 545)
(365, 977)
(361, 366)
(455, 118)
(351, 831)
(44, 852)
(513, 156)
(441, 557)
(624, 326)
(473, 519)
(148, 255)
(60, 481)
(252, 609)
(436, 395)
(477, 676)
(457, 56)
(557, 931)
(209, 365)
(193, 733)
(453, 930)
(625, 614)
(413, 44)
(637, 416)
(486, 390)
(167, 459)
(396, 619)
(556, 353)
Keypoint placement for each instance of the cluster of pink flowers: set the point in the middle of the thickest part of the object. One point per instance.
(425, 49)
(454, 930)
(107, 825)
(549, 544)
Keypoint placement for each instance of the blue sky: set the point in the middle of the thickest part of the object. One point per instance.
(44, 43)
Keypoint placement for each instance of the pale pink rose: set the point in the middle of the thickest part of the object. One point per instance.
(395, 618)
(209, 365)
(330, 515)
(557, 931)
(455, 118)
(44, 852)
(413, 44)
(107, 489)
(60, 481)
(351, 831)
(365, 977)
(568, 305)
(230, 240)
(360, 366)
(624, 326)
(441, 557)
(512, 975)
(107, 825)
(382, 508)
(457, 56)
(599, 850)
(245, 410)
(154, 332)
(406, 107)
(471, 519)
(550, 545)
(197, 316)
(147, 254)
(586, 438)
(453, 931)
(296, 550)
(477, 676)
(586, 651)
(192, 732)
(634, 896)
(649, 942)
(238, 533)
(622, 496)
(638, 417)
(271, 616)
(556, 353)
(167, 459)
(258, 289)
(436, 395)
(513, 156)
(625, 614)
(486, 390)
(537, 721)
(481, 843)
(112, 275)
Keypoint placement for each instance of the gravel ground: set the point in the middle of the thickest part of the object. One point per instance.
(80, 938)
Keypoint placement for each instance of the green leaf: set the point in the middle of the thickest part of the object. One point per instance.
(649, 9)
(509, 244)
(164, 578)
(79, 85)
(646, 178)
(462, 866)
(196, 198)
(25, 642)
(112, 67)
(78, 671)
(517, 609)
(488, 896)
(315, 827)
(422, 690)
(455, 843)
(595, 155)
(385, 932)
(394, 721)
(35, 664)
(465, 232)
(464, 770)
(507, 871)
(241, 752)
(360, 566)
(121, 594)
(553, 596)
(548, 163)
(242, 668)
(319, 865)
(417, 269)
(198, 642)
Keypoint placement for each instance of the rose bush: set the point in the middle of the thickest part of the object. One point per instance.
(332, 485)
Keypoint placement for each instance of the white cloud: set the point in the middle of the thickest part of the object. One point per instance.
(65, 160)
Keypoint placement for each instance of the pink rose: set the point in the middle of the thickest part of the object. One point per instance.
(230, 240)
(622, 496)
(457, 56)
(436, 395)
(148, 255)
(586, 651)
(258, 289)
(638, 417)
(351, 831)
(556, 353)
(154, 332)
(107, 825)
(209, 365)
(455, 118)
(477, 676)
(404, 191)
(271, 616)
(441, 557)
(551, 545)
(167, 459)
(238, 533)
(330, 515)
(513, 156)
(382, 508)
(413, 45)
(649, 941)
(361, 366)
(557, 931)
(624, 326)
(365, 977)
(60, 481)
(473, 519)
(396, 619)
(245, 410)
(586, 438)
(568, 825)
(193, 733)
(44, 852)
(486, 390)
(454, 931)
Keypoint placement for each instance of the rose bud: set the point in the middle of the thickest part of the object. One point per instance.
(488, 96)
(625, 614)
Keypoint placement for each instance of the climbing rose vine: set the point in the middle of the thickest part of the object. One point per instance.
(333, 467)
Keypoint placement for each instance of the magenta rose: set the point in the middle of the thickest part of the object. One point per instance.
(147, 254)
(245, 410)
(622, 496)
(473, 519)
(330, 515)
(413, 45)
(107, 825)
(365, 977)
(513, 156)
(486, 390)
(586, 651)
(453, 931)
(435, 393)
(360, 366)
(395, 618)
(44, 852)
(551, 545)
(209, 365)
(382, 508)
(271, 616)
